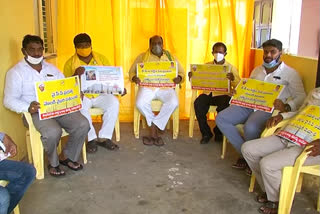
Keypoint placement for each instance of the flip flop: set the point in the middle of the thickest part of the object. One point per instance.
(58, 170)
(241, 164)
(108, 144)
(66, 163)
(158, 141)
(147, 141)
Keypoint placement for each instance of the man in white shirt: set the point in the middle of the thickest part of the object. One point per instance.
(20, 96)
(272, 70)
(145, 95)
(204, 101)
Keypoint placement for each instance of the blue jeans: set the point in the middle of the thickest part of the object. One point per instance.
(254, 123)
(20, 175)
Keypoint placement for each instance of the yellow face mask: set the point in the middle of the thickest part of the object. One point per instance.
(84, 52)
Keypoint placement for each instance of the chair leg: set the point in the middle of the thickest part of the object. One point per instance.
(252, 182)
(136, 122)
(29, 147)
(59, 147)
(175, 118)
(318, 204)
(224, 147)
(37, 153)
(299, 185)
(286, 191)
(84, 153)
(191, 121)
(117, 129)
(16, 210)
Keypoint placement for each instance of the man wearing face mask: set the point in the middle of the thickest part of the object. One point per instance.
(146, 95)
(205, 100)
(272, 70)
(108, 102)
(20, 96)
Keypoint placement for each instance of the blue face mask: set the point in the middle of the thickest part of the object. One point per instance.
(272, 64)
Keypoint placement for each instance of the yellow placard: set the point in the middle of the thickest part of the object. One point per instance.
(210, 77)
(256, 94)
(304, 127)
(58, 97)
(157, 74)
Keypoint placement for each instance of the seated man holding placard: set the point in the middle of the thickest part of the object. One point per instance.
(110, 104)
(267, 156)
(168, 97)
(20, 96)
(220, 99)
(273, 70)
(19, 175)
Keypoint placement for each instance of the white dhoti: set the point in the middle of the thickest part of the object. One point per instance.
(169, 101)
(110, 106)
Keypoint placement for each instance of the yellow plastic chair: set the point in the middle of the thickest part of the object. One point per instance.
(16, 210)
(212, 109)
(291, 182)
(99, 111)
(35, 148)
(156, 106)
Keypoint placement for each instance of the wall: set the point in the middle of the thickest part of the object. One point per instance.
(17, 19)
(309, 37)
(306, 67)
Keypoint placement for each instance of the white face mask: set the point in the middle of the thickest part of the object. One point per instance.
(218, 57)
(157, 50)
(34, 61)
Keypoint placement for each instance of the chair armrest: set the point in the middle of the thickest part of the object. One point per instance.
(269, 131)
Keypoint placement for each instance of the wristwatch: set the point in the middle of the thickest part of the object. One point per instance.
(287, 107)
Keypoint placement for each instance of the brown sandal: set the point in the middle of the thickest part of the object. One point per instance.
(269, 208)
(147, 141)
(262, 198)
(158, 141)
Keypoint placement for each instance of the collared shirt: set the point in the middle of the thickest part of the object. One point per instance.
(20, 90)
(235, 73)
(68, 72)
(293, 93)
(153, 58)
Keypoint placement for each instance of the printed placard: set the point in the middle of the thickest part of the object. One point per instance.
(210, 77)
(157, 74)
(58, 97)
(304, 127)
(98, 80)
(256, 94)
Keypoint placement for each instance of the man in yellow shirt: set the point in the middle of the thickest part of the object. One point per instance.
(145, 95)
(204, 101)
(110, 104)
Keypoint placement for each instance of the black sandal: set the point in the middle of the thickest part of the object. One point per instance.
(158, 141)
(108, 144)
(58, 171)
(241, 164)
(67, 161)
(92, 146)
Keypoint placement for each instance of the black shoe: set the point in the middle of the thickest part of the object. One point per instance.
(205, 139)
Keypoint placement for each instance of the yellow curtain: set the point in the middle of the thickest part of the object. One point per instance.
(120, 29)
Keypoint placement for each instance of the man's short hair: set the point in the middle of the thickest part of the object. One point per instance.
(82, 37)
(274, 43)
(154, 37)
(219, 44)
(31, 38)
